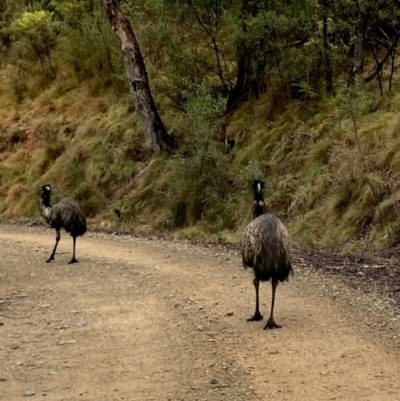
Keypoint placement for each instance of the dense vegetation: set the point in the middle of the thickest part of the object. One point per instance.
(302, 94)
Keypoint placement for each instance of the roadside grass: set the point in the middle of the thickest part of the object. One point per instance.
(331, 168)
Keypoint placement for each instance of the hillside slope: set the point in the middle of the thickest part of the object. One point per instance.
(331, 167)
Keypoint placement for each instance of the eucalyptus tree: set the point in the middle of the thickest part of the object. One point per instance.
(157, 137)
(246, 46)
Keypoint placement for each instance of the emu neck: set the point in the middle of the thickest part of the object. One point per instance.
(258, 205)
(45, 207)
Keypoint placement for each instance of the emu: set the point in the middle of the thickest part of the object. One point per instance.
(64, 214)
(265, 248)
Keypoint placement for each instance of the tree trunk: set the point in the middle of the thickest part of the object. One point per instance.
(238, 91)
(359, 51)
(157, 137)
(245, 63)
(327, 60)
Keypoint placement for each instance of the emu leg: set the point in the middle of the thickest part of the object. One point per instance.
(58, 235)
(73, 260)
(257, 314)
(271, 322)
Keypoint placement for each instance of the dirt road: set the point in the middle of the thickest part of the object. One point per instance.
(153, 320)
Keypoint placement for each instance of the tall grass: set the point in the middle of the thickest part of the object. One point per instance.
(331, 167)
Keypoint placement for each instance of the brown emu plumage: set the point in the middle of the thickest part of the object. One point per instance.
(63, 214)
(265, 248)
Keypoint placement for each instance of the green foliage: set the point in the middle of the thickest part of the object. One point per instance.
(34, 35)
(201, 185)
(87, 43)
(192, 187)
(55, 39)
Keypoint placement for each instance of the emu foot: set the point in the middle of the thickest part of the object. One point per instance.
(50, 259)
(257, 316)
(73, 260)
(271, 324)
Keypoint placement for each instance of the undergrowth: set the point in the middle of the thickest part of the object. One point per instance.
(331, 166)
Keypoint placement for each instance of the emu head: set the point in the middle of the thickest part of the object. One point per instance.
(46, 193)
(258, 186)
(258, 204)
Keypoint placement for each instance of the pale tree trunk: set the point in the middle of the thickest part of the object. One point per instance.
(157, 137)
(358, 56)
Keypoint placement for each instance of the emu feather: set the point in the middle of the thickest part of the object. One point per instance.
(265, 248)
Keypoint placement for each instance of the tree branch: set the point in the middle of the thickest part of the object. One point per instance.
(381, 63)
